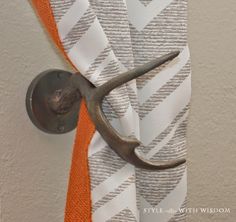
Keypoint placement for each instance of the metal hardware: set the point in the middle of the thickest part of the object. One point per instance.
(53, 101)
(46, 84)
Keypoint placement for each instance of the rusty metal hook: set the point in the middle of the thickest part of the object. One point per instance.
(64, 100)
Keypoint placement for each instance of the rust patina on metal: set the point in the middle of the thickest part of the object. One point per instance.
(53, 101)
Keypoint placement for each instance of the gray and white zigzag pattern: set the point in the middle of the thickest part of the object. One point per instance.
(104, 38)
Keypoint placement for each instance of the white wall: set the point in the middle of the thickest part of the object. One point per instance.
(34, 167)
(212, 126)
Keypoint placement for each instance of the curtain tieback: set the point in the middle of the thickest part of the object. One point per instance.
(53, 101)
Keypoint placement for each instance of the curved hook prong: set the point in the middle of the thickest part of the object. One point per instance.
(157, 165)
(123, 146)
(119, 80)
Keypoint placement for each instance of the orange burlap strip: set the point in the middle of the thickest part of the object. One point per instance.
(78, 205)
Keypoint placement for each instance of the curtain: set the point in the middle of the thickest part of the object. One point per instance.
(102, 39)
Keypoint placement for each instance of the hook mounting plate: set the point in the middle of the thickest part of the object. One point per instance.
(38, 94)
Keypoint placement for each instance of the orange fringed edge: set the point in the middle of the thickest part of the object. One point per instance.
(78, 205)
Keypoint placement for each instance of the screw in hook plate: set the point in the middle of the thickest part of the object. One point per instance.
(61, 128)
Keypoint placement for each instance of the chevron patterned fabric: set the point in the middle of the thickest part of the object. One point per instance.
(104, 38)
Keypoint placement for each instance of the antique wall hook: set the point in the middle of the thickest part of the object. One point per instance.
(53, 101)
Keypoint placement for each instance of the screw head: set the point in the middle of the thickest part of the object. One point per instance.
(61, 128)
